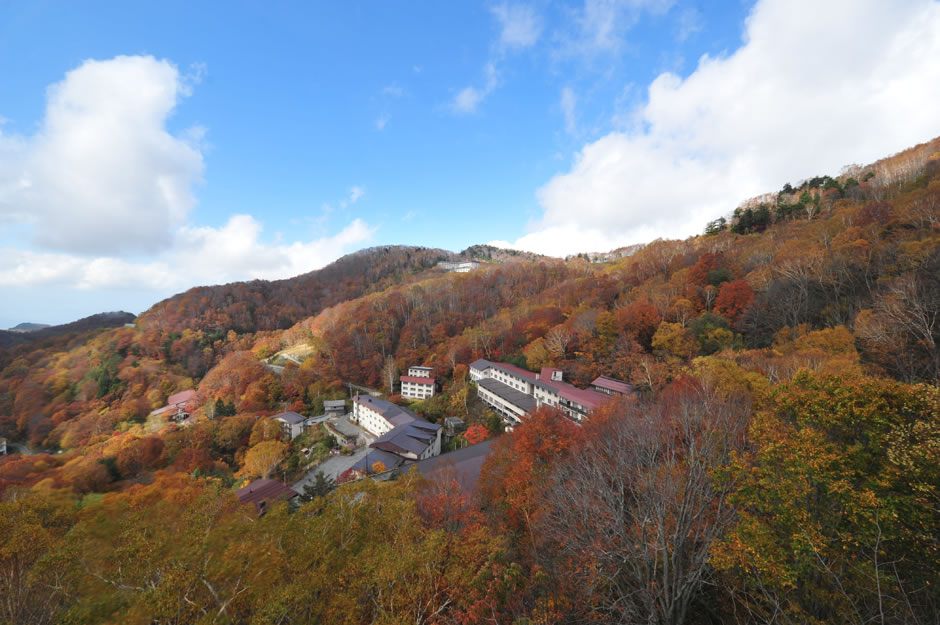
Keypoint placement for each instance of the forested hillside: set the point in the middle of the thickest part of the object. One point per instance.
(278, 304)
(9, 338)
(778, 464)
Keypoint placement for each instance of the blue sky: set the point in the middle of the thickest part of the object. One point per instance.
(147, 148)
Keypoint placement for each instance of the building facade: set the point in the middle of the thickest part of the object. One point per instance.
(418, 384)
(402, 435)
(514, 392)
(292, 424)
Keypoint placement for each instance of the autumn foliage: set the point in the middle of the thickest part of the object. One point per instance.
(777, 462)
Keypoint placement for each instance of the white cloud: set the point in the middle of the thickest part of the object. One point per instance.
(197, 256)
(569, 103)
(690, 22)
(106, 190)
(103, 175)
(799, 98)
(393, 91)
(382, 120)
(601, 25)
(468, 98)
(520, 25)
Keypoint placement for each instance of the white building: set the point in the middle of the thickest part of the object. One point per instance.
(403, 436)
(292, 424)
(418, 384)
(420, 372)
(514, 392)
(463, 267)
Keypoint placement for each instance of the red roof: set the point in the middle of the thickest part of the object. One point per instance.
(264, 490)
(611, 384)
(588, 398)
(522, 373)
(181, 398)
(417, 379)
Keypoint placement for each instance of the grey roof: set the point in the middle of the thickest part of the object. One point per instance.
(413, 437)
(345, 428)
(481, 364)
(334, 403)
(290, 417)
(423, 368)
(525, 402)
(396, 415)
(391, 461)
(465, 463)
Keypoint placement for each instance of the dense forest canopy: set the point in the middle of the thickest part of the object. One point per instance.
(779, 462)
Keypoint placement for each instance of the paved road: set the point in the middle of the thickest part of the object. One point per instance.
(331, 467)
(20, 448)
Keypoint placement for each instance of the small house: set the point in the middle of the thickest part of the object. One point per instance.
(292, 424)
(334, 406)
(178, 406)
(262, 492)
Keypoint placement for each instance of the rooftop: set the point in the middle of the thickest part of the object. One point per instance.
(482, 365)
(388, 459)
(414, 437)
(181, 397)
(264, 490)
(396, 415)
(345, 428)
(588, 398)
(517, 398)
(290, 417)
(612, 384)
(465, 464)
(417, 379)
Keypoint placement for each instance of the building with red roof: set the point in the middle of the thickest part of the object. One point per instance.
(418, 384)
(514, 392)
(610, 386)
(262, 492)
(179, 405)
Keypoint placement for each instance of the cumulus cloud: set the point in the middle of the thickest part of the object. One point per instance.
(105, 190)
(102, 175)
(197, 256)
(520, 25)
(799, 98)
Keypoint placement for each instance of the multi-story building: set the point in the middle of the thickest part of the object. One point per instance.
(420, 372)
(418, 384)
(513, 392)
(292, 424)
(402, 435)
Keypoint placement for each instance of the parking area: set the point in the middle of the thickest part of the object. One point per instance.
(331, 467)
